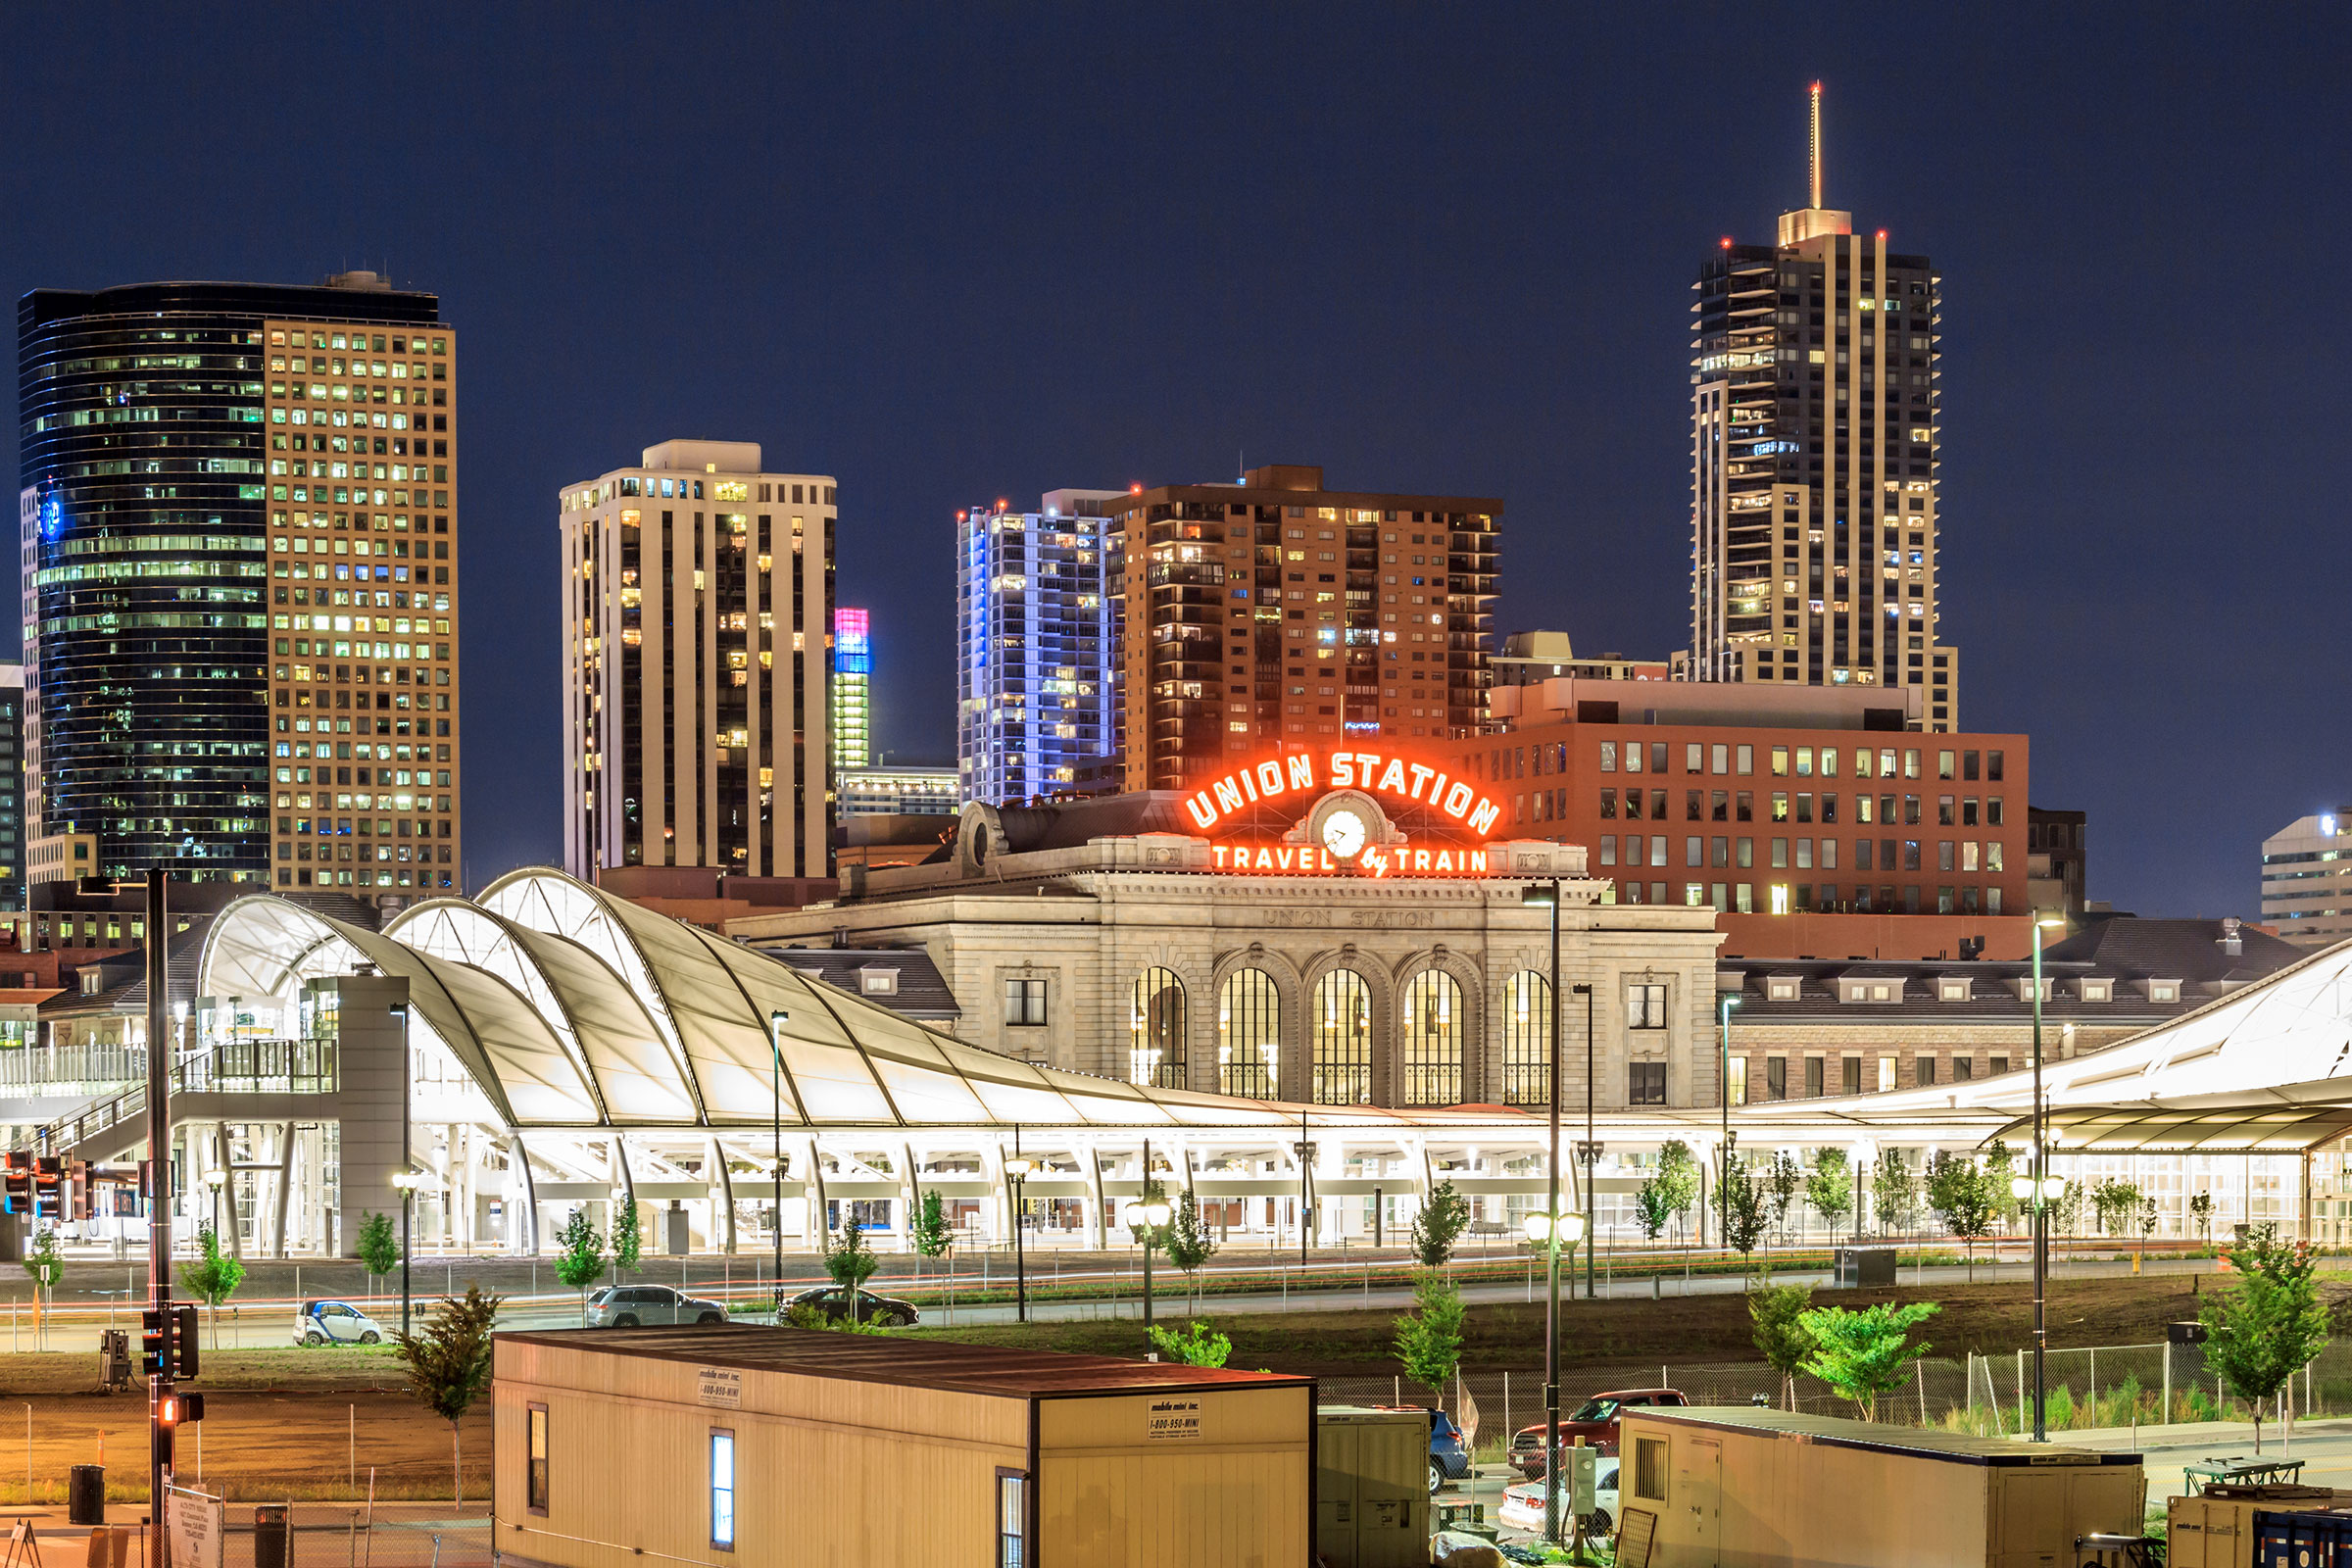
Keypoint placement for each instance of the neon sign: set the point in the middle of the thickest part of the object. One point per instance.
(1299, 772)
(1379, 860)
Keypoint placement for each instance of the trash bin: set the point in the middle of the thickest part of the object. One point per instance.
(85, 1495)
(273, 1543)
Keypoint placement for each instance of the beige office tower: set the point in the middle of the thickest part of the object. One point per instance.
(1814, 450)
(697, 615)
(364, 743)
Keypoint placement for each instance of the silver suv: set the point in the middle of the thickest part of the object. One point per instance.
(629, 1306)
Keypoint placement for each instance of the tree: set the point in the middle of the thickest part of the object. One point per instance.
(1429, 1338)
(1862, 1353)
(851, 1262)
(1653, 1206)
(2147, 1223)
(448, 1363)
(2066, 1209)
(2200, 1213)
(1999, 1166)
(1195, 1345)
(1783, 1181)
(378, 1244)
(2112, 1201)
(930, 1232)
(46, 1267)
(1740, 1204)
(1774, 1314)
(2260, 1334)
(1188, 1243)
(1894, 1192)
(214, 1277)
(1678, 1176)
(1961, 1195)
(579, 1254)
(1830, 1189)
(1440, 1225)
(628, 1235)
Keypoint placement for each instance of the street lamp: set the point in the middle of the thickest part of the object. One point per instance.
(1724, 1004)
(2042, 1196)
(1551, 1228)
(775, 1086)
(1156, 1215)
(406, 1181)
(1017, 1171)
(214, 1178)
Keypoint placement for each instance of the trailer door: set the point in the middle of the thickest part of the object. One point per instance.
(1700, 1489)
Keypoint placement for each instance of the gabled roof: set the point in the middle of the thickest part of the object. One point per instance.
(922, 992)
(2176, 950)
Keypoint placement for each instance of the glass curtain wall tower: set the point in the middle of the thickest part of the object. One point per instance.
(195, 664)
(853, 689)
(1814, 426)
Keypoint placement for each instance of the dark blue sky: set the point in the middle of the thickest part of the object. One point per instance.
(950, 254)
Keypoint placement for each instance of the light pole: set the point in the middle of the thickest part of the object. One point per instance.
(1017, 1171)
(776, 1086)
(1156, 1215)
(406, 1181)
(214, 1178)
(2041, 1187)
(1725, 1002)
(1552, 1228)
(1591, 1153)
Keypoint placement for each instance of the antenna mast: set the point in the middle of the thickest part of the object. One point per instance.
(1814, 135)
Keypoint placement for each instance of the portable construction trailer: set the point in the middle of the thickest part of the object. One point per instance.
(1371, 1486)
(738, 1445)
(1736, 1486)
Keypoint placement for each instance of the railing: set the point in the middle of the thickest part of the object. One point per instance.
(88, 1069)
(234, 1067)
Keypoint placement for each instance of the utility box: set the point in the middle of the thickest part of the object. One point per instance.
(1860, 1266)
(1371, 1486)
(2215, 1529)
(739, 1443)
(675, 1239)
(1741, 1488)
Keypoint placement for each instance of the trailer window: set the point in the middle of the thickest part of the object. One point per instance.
(722, 1490)
(1012, 1519)
(1649, 1469)
(535, 1479)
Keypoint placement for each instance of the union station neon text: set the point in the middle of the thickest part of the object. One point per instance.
(1365, 771)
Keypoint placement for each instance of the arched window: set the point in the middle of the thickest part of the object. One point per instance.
(1249, 1036)
(1526, 1038)
(1431, 1057)
(1155, 1030)
(1343, 1045)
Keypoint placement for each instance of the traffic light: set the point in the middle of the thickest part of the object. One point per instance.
(185, 1342)
(48, 1187)
(17, 1196)
(177, 1409)
(81, 1202)
(154, 1342)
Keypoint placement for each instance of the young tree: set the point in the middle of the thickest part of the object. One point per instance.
(448, 1363)
(850, 1264)
(377, 1245)
(1773, 1313)
(1783, 1181)
(1863, 1353)
(2200, 1214)
(1195, 1345)
(1188, 1243)
(1894, 1192)
(1429, 1338)
(1440, 1225)
(1961, 1195)
(1653, 1206)
(1740, 1204)
(46, 1267)
(930, 1232)
(628, 1235)
(1830, 1187)
(214, 1277)
(2066, 1209)
(579, 1254)
(2147, 1223)
(1999, 1166)
(1678, 1177)
(2260, 1334)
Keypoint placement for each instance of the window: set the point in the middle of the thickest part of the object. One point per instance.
(1739, 1080)
(1431, 1059)
(1812, 1077)
(1526, 1038)
(1649, 1469)
(1155, 1030)
(1964, 1068)
(1645, 1005)
(1249, 1036)
(535, 1482)
(1025, 1004)
(1340, 1066)
(722, 1490)
(1886, 1074)
(1776, 1077)
(1012, 1519)
(1923, 1072)
(1854, 1075)
(1645, 1083)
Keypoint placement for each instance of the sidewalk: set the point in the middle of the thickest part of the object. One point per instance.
(49, 1520)
(2231, 1437)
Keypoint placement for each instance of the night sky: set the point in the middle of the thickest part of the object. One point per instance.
(950, 254)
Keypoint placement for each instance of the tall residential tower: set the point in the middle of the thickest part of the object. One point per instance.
(696, 656)
(853, 689)
(239, 544)
(1814, 450)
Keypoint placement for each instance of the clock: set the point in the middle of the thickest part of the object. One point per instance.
(1344, 834)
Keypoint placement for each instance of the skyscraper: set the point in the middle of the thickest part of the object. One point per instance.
(210, 472)
(1814, 450)
(853, 689)
(699, 594)
(1037, 650)
(12, 785)
(1275, 613)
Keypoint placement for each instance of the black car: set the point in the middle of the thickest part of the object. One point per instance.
(886, 1312)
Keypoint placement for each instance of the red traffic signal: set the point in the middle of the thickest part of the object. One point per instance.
(178, 1409)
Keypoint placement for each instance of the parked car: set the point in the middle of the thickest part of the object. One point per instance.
(629, 1306)
(1523, 1504)
(886, 1312)
(334, 1323)
(1448, 1454)
(1595, 1421)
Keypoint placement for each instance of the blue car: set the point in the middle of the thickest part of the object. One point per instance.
(1449, 1454)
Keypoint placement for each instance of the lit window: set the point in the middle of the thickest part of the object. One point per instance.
(722, 1491)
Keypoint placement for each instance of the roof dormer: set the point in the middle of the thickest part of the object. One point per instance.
(1870, 988)
(1782, 987)
(2161, 990)
(1954, 988)
(2098, 988)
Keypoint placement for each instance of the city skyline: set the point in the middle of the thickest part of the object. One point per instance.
(1492, 348)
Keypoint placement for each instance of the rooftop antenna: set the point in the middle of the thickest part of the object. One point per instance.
(1814, 135)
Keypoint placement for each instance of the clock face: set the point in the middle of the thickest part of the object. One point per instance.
(1344, 834)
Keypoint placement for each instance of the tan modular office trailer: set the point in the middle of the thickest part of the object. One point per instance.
(2215, 1528)
(1371, 1486)
(1736, 1486)
(731, 1446)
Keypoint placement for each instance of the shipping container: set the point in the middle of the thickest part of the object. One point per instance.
(2316, 1540)
(2215, 1528)
(739, 1445)
(1737, 1487)
(1371, 1486)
